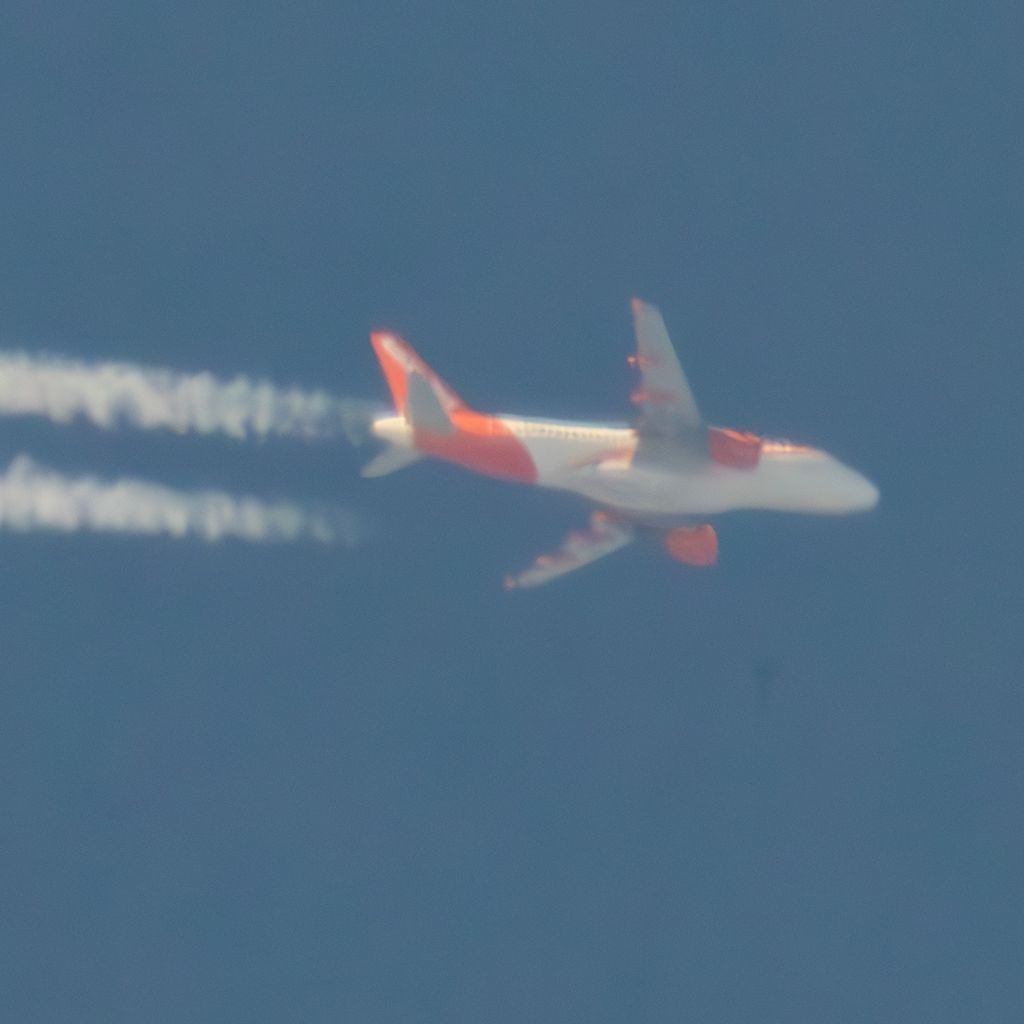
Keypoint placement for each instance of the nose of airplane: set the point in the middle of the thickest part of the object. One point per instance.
(861, 493)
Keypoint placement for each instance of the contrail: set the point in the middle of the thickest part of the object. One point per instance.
(33, 497)
(150, 398)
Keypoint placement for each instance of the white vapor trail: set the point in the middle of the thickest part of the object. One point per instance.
(33, 497)
(109, 394)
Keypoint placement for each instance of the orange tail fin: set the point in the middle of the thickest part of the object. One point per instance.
(398, 360)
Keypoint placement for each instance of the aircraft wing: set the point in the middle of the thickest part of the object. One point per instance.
(580, 548)
(667, 405)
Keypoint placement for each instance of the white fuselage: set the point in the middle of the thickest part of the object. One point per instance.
(596, 461)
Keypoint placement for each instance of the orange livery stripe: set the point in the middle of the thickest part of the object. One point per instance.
(481, 443)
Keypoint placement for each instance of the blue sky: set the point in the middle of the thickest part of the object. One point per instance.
(278, 783)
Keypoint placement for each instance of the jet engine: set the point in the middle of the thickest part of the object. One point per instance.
(735, 448)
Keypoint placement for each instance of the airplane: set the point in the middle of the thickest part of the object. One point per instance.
(659, 476)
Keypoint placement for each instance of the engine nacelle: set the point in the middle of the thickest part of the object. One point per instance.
(693, 545)
(736, 448)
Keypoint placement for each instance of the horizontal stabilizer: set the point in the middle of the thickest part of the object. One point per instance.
(391, 459)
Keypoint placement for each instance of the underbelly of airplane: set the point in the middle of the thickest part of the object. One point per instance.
(650, 494)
